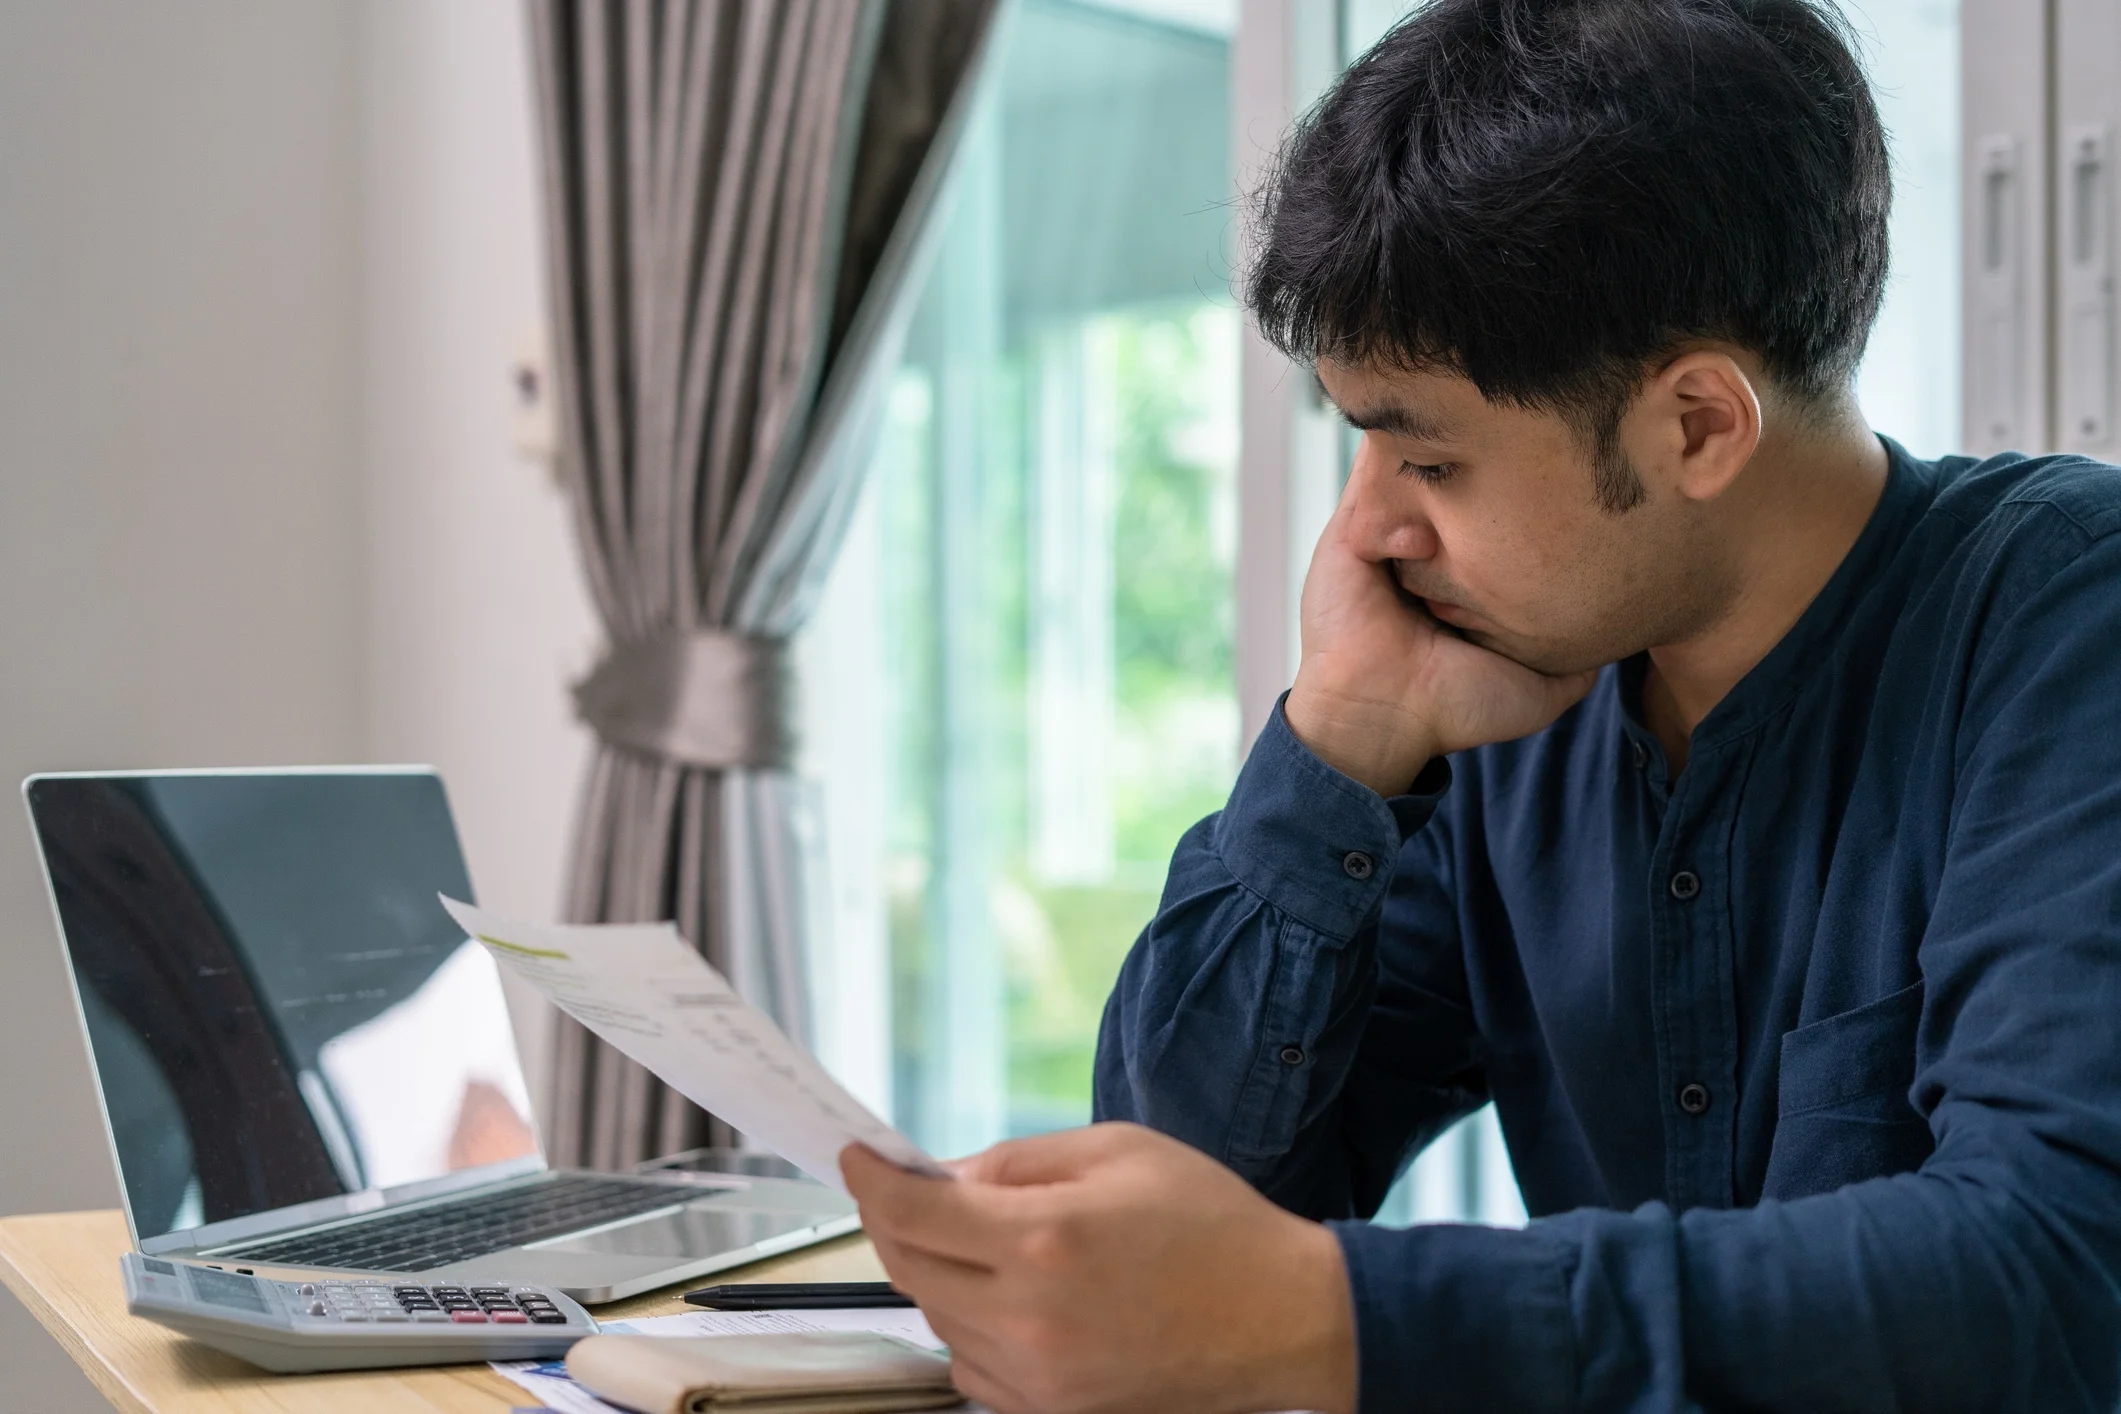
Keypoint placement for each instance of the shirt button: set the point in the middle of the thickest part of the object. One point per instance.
(1292, 1055)
(1642, 756)
(1694, 1099)
(1685, 884)
(1358, 864)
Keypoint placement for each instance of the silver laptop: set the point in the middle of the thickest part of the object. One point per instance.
(304, 1063)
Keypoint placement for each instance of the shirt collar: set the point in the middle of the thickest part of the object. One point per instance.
(1798, 658)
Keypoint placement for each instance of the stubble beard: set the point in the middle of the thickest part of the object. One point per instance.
(1670, 605)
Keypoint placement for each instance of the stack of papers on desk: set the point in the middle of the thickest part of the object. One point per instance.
(646, 992)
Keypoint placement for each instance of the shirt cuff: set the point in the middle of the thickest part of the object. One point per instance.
(1312, 842)
(1450, 1318)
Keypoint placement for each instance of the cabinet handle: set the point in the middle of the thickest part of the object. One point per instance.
(1998, 323)
(2087, 288)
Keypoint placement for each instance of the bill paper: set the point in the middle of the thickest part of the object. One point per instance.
(645, 991)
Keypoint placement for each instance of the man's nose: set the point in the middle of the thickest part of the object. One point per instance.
(1388, 520)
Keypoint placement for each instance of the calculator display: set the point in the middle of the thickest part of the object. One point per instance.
(221, 1289)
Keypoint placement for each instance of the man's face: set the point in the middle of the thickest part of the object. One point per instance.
(1489, 515)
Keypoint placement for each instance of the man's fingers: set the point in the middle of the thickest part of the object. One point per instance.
(1044, 1158)
(976, 1363)
(977, 1382)
(980, 1360)
(937, 1214)
(863, 1166)
(934, 1280)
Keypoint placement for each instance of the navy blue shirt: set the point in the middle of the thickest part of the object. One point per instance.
(1808, 1058)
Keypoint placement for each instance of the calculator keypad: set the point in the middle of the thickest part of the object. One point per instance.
(365, 1302)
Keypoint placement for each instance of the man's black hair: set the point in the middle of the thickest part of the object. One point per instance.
(1547, 195)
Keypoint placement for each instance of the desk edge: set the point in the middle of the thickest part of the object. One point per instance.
(107, 1381)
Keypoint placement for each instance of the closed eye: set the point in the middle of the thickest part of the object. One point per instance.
(1429, 473)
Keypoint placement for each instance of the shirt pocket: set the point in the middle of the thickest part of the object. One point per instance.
(1842, 1109)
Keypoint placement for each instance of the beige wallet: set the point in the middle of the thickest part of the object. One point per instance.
(791, 1372)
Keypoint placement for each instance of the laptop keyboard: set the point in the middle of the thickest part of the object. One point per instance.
(471, 1227)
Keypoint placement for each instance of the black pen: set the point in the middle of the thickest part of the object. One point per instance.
(798, 1295)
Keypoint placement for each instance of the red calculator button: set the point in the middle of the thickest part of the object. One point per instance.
(510, 1318)
(468, 1317)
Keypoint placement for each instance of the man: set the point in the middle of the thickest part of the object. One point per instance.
(1728, 796)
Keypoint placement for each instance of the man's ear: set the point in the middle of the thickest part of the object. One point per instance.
(1698, 419)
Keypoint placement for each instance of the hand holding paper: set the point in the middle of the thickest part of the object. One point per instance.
(645, 991)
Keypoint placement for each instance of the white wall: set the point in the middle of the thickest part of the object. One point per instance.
(477, 615)
(263, 267)
(178, 563)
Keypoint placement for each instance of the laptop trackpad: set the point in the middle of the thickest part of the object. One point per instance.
(688, 1232)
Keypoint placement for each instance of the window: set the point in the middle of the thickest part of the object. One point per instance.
(1019, 689)
(1909, 381)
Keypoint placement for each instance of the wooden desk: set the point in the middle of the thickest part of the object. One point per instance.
(64, 1266)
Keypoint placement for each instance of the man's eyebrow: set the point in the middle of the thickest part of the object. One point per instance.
(1397, 421)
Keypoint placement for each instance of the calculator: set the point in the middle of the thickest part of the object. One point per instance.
(300, 1326)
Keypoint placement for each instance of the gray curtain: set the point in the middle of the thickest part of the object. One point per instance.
(739, 200)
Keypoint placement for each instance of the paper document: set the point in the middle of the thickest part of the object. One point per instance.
(643, 989)
(548, 1380)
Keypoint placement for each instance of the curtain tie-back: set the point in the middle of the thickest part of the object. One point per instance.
(703, 698)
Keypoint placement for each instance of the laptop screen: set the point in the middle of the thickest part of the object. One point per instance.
(277, 1006)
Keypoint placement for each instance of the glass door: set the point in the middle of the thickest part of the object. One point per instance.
(1018, 692)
